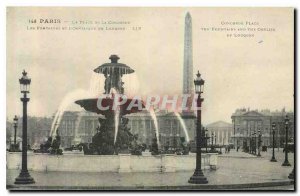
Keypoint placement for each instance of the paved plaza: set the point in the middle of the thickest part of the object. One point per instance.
(236, 170)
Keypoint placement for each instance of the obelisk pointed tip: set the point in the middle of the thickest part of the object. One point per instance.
(188, 15)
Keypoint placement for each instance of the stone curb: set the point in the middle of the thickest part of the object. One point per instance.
(240, 157)
(141, 187)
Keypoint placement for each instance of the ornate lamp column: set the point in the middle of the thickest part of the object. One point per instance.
(250, 140)
(177, 139)
(198, 176)
(233, 122)
(254, 142)
(174, 142)
(237, 141)
(286, 161)
(259, 143)
(212, 141)
(206, 140)
(273, 132)
(216, 139)
(24, 177)
(15, 135)
(292, 174)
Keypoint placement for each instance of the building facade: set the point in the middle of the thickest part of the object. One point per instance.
(77, 127)
(38, 129)
(171, 127)
(248, 123)
(221, 132)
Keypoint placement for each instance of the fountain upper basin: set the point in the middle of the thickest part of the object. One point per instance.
(108, 105)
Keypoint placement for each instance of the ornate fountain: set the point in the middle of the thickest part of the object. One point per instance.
(113, 136)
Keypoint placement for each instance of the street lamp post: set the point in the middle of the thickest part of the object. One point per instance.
(278, 137)
(292, 174)
(215, 139)
(237, 141)
(177, 140)
(250, 141)
(273, 132)
(254, 142)
(251, 144)
(221, 145)
(206, 138)
(171, 141)
(259, 143)
(174, 142)
(212, 141)
(286, 161)
(24, 176)
(15, 135)
(198, 176)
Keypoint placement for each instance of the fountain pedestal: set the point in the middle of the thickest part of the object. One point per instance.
(113, 135)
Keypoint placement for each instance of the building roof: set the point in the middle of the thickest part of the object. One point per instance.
(252, 113)
(248, 112)
(264, 112)
(219, 124)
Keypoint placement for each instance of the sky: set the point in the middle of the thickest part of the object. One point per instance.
(255, 72)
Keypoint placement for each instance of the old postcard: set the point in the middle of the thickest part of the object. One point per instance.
(136, 98)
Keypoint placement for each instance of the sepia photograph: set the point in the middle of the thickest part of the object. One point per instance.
(150, 98)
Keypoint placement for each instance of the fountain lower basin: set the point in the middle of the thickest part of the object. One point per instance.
(111, 163)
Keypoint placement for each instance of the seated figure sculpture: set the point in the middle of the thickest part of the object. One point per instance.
(51, 146)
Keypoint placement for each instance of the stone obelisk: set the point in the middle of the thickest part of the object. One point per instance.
(188, 64)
